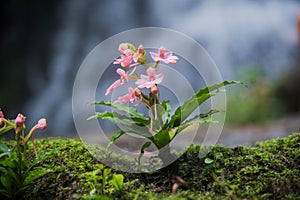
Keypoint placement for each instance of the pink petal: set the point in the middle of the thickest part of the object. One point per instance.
(20, 119)
(128, 98)
(117, 83)
(154, 56)
(123, 75)
(161, 52)
(42, 124)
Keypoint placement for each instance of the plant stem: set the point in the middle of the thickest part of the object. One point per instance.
(18, 137)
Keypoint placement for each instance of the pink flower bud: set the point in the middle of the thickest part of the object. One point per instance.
(42, 124)
(20, 120)
(154, 89)
(1, 116)
(141, 49)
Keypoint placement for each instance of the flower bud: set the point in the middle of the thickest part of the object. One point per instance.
(1, 116)
(20, 120)
(123, 47)
(154, 89)
(137, 93)
(141, 50)
(42, 124)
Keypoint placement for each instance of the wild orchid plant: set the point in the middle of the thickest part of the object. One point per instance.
(160, 127)
(16, 171)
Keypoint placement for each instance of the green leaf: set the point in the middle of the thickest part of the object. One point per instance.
(172, 133)
(115, 137)
(35, 174)
(11, 173)
(196, 100)
(127, 122)
(4, 150)
(146, 145)
(162, 138)
(198, 119)
(117, 181)
(136, 116)
(5, 129)
(6, 181)
(208, 161)
(105, 174)
(167, 111)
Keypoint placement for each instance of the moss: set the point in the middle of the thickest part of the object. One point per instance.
(268, 170)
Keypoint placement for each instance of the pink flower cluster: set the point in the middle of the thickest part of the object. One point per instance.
(150, 81)
(128, 55)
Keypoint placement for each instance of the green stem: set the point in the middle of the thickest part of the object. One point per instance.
(155, 65)
(19, 158)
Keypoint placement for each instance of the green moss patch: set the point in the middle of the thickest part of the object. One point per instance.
(269, 170)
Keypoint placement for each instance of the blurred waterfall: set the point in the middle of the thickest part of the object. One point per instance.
(235, 33)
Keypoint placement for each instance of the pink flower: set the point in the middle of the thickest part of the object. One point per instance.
(1, 116)
(151, 80)
(123, 79)
(42, 124)
(123, 47)
(163, 56)
(128, 98)
(20, 119)
(126, 56)
(125, 60)
(139, 53)
(123, 75)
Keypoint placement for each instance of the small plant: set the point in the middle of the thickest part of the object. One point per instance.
(99, 181)
(16, 171)
(160, 127)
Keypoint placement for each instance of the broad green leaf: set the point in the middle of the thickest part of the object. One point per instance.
(162, 138)
(136, 116)
(196, 100)
(117, 181)
(172, 133)
(4, 150)
(118, 119)
(35, 174)
(198, 119)
(124, 121)
(115, 137)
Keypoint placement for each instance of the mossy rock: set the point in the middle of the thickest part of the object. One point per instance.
(268, 170)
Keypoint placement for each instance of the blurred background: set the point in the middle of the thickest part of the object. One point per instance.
(43, 43)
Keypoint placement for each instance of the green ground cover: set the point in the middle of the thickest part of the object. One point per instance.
(268, 170)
